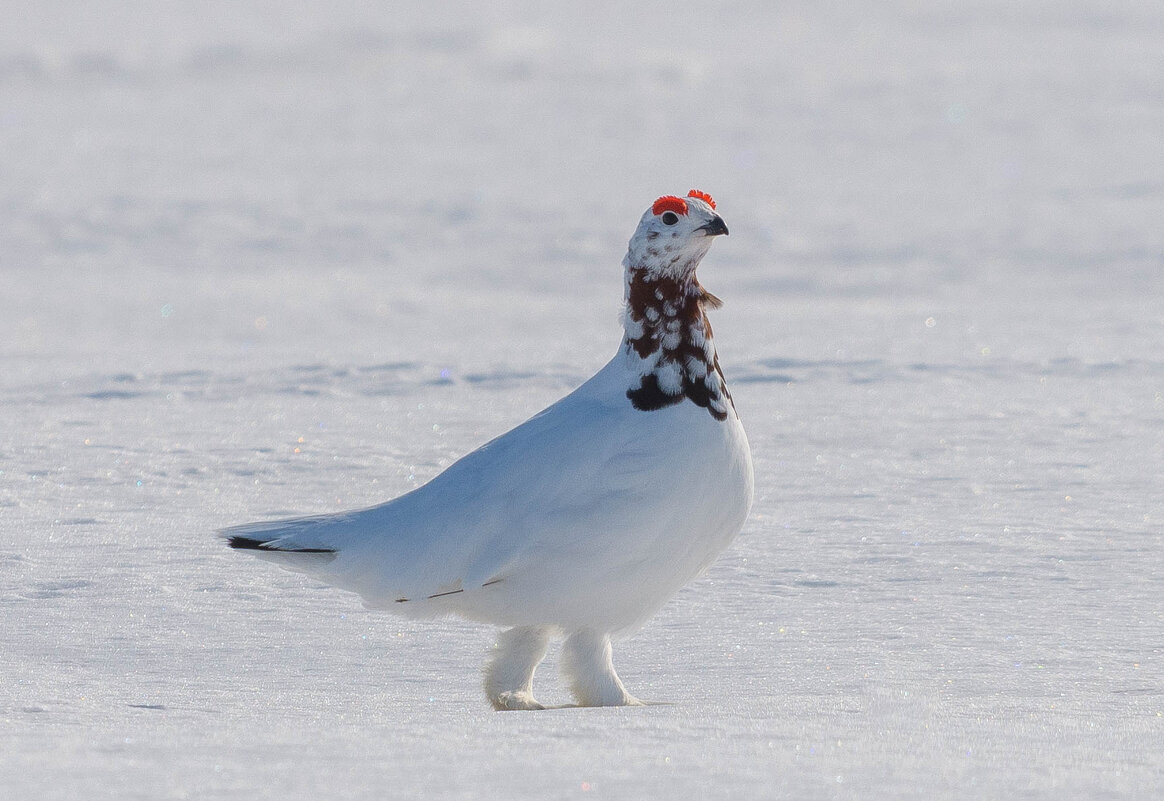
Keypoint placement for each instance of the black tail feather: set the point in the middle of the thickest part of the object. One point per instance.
(251, 544)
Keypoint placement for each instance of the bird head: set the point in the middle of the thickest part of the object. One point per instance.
(674, 234)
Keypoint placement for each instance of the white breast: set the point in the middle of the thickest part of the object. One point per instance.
(628, 507)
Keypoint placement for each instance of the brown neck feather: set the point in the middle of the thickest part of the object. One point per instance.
(675, 344)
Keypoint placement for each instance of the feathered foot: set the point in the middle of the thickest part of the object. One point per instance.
(589, 671)
(509, 675)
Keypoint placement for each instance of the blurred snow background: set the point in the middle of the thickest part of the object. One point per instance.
(262, 259)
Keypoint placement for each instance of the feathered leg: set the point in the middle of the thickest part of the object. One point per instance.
(589, 671)
(509, 675)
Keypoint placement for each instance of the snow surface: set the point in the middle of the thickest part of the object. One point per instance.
(264, 258)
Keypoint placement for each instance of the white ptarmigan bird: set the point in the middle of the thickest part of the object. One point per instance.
(584, 519)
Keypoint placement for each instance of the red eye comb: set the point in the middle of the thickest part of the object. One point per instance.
(706, 198)
(669, 203)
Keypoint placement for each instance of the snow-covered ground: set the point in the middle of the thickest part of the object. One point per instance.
(264, 258)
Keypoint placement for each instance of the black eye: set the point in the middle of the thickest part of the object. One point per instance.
(670, 218)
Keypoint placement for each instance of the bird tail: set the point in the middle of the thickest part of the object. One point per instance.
(288, 543)
(356, 552)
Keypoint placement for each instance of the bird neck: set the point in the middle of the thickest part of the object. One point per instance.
(668, 344)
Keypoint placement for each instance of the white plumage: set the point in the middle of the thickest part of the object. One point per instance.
(584, 519)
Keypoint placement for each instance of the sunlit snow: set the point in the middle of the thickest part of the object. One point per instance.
(265, 259)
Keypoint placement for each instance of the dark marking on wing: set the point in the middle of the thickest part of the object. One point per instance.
(450, 592)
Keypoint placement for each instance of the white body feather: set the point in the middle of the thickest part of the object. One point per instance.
(590, 514)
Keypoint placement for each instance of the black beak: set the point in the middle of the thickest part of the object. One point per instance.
(715, 227)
